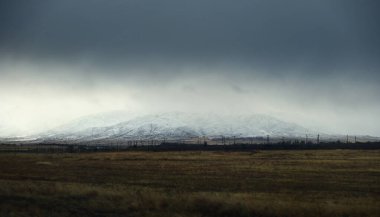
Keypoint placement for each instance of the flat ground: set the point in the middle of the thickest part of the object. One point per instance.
(264, 183)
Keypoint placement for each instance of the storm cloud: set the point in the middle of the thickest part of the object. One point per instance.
(312, 62)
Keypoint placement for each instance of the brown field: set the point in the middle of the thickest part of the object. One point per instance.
(265, 183)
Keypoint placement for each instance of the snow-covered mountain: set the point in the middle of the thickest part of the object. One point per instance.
(174, 125)
(92, 121)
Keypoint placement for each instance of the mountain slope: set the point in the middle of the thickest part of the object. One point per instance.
(177, 125)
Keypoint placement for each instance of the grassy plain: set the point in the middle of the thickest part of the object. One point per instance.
(265, 183)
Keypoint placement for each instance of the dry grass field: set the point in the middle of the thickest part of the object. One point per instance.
(266, 183)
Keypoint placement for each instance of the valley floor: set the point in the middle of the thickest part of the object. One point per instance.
(264, 183)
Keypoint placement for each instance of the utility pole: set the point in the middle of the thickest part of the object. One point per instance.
(318, 139)
(347, 139)
(355, 139)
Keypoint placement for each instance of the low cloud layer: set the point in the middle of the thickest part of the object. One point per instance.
(31, 102)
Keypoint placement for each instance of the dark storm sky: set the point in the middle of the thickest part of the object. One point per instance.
(285, 34)
(319, 56)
